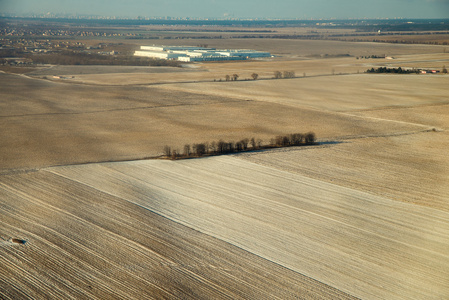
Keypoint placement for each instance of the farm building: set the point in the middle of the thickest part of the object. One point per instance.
(189, 53)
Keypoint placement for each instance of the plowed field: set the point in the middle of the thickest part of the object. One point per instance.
(86, 244)
(84, 214)
(365, 245)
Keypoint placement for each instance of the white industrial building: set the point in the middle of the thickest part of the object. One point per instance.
(189, 53)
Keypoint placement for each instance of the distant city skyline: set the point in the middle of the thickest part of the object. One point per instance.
(294, 9)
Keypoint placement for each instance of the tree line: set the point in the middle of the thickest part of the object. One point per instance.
(255, 76)
(393, 70)
(221, 147)
(404, 71)
(285, 74)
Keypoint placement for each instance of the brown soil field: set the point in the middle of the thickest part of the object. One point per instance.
(441, 39)
(363, 214)
(334, 93)
(302, 48)
(65, 123)
(97, 70)
(210, 72)
(409, 168)
(265, 71)
(82, 243)
(17, 70)
(365, 245)
(429, 115)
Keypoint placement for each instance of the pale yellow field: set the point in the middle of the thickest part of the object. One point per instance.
(364, 214)
(410, 168)
(333, 93)
(210, 72)
(66, 123)
(86, 244)
(365, 245)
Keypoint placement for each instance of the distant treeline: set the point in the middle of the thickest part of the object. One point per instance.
(80, 58)
(370, 56)
(393, 70)
(222, 147)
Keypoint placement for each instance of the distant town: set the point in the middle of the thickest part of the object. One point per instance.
(62, 39)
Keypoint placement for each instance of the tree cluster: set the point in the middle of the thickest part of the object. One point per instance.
(393, 70)
(234, 77)
(285, 74)
(221, 147)
(295, 139)
(255, 76)
(372, 56)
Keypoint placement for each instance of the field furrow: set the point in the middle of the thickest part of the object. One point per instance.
(84, 243)
(402, 168)
(91, 208)
(366, 245)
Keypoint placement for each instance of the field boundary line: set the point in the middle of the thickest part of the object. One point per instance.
(124, 109)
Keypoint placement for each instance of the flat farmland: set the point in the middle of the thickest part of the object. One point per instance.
(62, 70)
(333, 93)
(286, 48)
(89, 212)
(82, 243)
(404, 168)
(211, 72)
(365, 245)
(426, 114)
(53, 123)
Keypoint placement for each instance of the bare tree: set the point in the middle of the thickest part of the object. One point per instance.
(244, 143)
(221, 146)
(206, 147)
(235, 77)
(255, 76)
(282, 141)
(175, 154)
(213, 147)
(238, 146)
(289, 74)
(309, 138)
(253, 143)
(187, 150)
(277, 141)
(277, 75)
(227, 77)
(167, 151)
(296, 138)
(199, 149)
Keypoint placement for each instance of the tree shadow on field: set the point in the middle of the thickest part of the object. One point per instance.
(323, 143)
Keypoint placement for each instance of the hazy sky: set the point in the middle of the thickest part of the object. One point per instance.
(303, 9)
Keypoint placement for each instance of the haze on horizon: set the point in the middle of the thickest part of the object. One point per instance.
(295, 9)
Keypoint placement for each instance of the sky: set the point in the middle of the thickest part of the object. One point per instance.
(294, 9)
